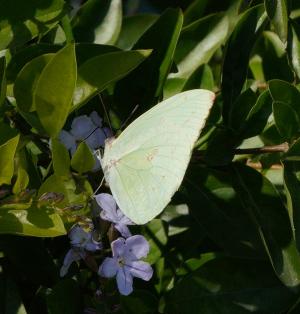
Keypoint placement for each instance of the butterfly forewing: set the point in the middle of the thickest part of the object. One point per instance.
(145, 165)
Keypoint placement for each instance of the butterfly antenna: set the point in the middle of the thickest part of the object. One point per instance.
(129, 117)
(105, 112)
(98, 188)
(91, 133)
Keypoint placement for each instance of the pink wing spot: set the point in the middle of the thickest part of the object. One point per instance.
(213, 97)
(152, 154)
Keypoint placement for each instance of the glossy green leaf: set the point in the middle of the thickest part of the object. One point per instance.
(194, 11)
(25, 55)
(263, 204)
(21, 21)
(241, 108)
(65, 298)
(2, 81)
(295, 48)
(239, 46)
(54, 90)
(8, 145)
(201, 78)
(286, 111)
(274, 53)
(66, 186)
(60, 158)
(133, 28)
(198, 42)
(144, 85)
(257, 117)
(22, 175)
(292, 190)
(156, 234)
(98, 22)
(232, 285)
(83, 160)
(215, 205)
(26, 82)
(32, 221)
(112, 66)
(277, 11)
(286, 119)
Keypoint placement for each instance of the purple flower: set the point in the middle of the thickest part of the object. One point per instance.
(81, 241)
(88, 129)
(125, 263)
(112, 213)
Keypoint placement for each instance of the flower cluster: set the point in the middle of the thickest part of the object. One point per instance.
(88, 129)
(127, 251)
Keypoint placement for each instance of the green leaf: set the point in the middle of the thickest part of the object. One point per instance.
(2, 81)
(133, 28)
(226, 285)
(8, 145)
(140, 301)
(83, 160)
(66, 186)
(112, 66)
(194, 11)
(274, 53)
(21, 21)
(10, 298)
(156, 234)
(25, 55)
(144, 85)
(26, 82)
(54, 90)
(60, 158)
(295, 48)
(22, 175)
(98, 22)
(292, 190)
(286, 110)
(32, 221)
(263, 204)
(201, 78)
(286, 119)
(65, 297)
(241, 108)
(197, 44)
(277, 11)
(215, 205)
(235, 65)
(257, 117)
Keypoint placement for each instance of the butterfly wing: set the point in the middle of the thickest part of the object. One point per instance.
(145, 165)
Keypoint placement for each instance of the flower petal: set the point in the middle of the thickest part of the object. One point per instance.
(82, 127)
(67, 139)
(124, 281)
(78, 237)
(118, 247)
(108, 268)
(95, 138)
(96, 119)
(140, 269)
(109, 206)
(136, 247)
(72, 256)
(123, 229)
(93, 245)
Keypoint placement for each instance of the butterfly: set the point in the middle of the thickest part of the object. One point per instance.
(146, 164)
